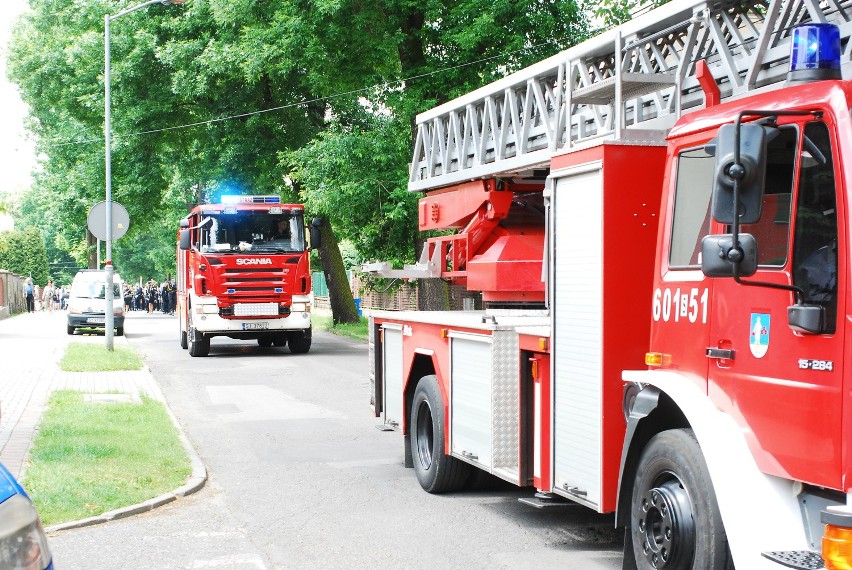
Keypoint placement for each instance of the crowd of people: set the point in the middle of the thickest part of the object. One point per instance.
(151, 296)
(45, 298)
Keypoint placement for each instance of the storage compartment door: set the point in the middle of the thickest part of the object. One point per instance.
(470, 430)
(578, 333)
(392, 411)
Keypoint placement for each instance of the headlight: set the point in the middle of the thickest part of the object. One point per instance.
(298, 308)
(23, 544)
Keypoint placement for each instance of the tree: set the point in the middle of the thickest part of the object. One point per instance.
(23, 252)
(356, 171)
(223, 93)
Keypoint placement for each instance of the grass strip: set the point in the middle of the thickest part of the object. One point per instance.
(324, 321)
(91, 357)
(89, 458)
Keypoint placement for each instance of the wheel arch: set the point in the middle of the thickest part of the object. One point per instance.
(760, 512)
(422, 365)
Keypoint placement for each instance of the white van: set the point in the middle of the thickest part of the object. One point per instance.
(87, 301)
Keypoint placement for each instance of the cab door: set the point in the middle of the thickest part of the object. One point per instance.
(784, 387)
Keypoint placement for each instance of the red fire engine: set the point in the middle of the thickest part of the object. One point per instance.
(243, 272)
(657, 222)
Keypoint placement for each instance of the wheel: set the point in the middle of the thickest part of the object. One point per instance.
(279, 339)
(265, 341)
(183, 341)
(119, 331)
(436, 471)
(299, 342)
(70, 329)
(675, 520)
(199, 343)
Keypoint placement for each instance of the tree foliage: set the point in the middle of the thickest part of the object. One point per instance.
(23, 252)
(314, 100)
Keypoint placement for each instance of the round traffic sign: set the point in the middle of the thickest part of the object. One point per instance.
(97, 220)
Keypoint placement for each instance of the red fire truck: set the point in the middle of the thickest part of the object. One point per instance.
(243, 272)
(657, 221)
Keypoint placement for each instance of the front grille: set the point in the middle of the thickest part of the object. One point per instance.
(229, 311)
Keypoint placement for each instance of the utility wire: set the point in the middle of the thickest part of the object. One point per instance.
(299, 103)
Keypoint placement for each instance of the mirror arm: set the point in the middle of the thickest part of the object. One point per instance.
(737, 172)
(795, 289)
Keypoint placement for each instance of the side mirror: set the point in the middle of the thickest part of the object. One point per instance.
(184, 223)
(183, 241)
(750, 172)
(808, 319)
(316, 236)
(719, 259)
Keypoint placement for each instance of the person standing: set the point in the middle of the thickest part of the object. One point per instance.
(172, 297)
(47, 296)
(29, 293)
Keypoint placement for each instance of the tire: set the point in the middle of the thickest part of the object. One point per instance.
(279, 339)
(674, 518)
(199, 343)
(299, 342)
(436, 471)
(183, 340)
(119, 331)
(70, 329)
(265, 341)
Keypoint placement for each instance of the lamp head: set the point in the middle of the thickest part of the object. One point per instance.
(814, 53)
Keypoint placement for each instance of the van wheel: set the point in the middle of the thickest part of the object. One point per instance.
(436, 471)
(183, 342)
(70, 329)
(119, 331)
(265, 341)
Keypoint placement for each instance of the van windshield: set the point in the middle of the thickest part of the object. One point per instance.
(93, 290)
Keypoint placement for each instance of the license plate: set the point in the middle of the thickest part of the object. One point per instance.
(255, 326)
(96, 320)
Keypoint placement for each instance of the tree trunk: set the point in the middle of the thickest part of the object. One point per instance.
(339, 293)
(91, 250)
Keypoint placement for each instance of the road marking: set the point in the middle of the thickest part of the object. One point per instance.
(262, 403)
(230, 561)
(364, 463)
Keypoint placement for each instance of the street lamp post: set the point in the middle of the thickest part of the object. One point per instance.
(109, 317)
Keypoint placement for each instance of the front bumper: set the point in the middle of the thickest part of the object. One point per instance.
(94, 320)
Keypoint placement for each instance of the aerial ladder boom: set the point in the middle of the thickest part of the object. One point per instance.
(635, 78)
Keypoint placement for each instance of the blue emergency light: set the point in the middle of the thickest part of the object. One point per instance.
(814, 53)
(251, 199)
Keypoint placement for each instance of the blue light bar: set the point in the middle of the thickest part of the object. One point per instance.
(814, 53)
(251, 199)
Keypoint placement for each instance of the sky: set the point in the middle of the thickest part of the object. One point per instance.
(17, 152)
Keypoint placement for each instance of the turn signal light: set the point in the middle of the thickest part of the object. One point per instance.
(658, 359)
(837, 540)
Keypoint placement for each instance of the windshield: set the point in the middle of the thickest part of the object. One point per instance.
(94, 290)
(255, 231)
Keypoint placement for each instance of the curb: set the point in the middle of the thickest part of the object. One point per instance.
(195, 482)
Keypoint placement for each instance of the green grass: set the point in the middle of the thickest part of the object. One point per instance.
(91, 458)
(323, 321)
(91, 357)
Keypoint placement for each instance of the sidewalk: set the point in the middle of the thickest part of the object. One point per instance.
(31, 346)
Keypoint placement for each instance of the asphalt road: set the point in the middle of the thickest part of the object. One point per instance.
(299, 477)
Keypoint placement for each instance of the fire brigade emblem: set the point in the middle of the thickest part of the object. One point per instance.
(758, 340)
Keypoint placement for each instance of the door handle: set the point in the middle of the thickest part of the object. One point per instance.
(721, 353)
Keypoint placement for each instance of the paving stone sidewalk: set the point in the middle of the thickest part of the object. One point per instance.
(31, 346)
